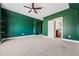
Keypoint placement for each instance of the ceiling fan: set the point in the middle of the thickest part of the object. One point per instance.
(33, 8)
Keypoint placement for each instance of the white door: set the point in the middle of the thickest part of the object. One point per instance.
(51, 28)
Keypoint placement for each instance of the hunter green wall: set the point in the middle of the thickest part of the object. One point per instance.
(37, 29)
(0, 21)
(38, 25)
(78, 27)
(18, 24)
(75, 6)
(70, 17)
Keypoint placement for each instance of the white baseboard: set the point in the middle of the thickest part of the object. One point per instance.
(46, 36)
(74, 41)
(43, 36)
(71, 40)
(20, 36)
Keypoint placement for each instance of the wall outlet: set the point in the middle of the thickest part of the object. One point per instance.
(69, 36)
(22, 33)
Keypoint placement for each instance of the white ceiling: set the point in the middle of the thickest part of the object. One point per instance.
(47, 8)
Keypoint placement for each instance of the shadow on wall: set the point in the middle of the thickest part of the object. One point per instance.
(4, 24)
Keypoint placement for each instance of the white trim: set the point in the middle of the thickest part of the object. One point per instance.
(20, 37)
(43, 36)
(47, 37)
(66, 40)
(70, 40)
(51, 28)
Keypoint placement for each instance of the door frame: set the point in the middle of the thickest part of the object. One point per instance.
(51, 33)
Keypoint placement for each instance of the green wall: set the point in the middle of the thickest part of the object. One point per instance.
(0, 21)
(78, 28)
(70, 17)
(38, 26)
(18, 24)
(75, 6)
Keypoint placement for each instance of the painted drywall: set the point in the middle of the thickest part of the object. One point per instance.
(78, 27)
(47, 8)
(75, 6)
(0, 21)
(38, 26)
(37, 29)
(18, 24)
(70, 18)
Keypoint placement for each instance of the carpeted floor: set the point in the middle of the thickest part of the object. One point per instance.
(38, 46)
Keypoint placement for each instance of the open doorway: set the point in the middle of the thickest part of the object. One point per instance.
(55, 28)
(58, 27)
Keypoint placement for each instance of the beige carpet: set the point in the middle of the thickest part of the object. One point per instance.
(38, 46)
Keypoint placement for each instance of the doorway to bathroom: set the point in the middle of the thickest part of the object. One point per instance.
(55, 28)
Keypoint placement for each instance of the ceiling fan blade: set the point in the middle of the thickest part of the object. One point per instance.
(32, 5)
(27, 7)
(30, 10)
(35, 11)
(38, 8)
